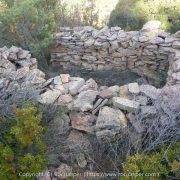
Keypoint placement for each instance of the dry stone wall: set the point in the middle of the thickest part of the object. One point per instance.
(146, 51)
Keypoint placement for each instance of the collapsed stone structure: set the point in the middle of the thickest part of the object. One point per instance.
(104, 112)
(146, 52)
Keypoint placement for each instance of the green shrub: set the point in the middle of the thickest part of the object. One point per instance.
(132, 14)
(124, 16)
(162, 162)
(29, 24)
(21, 148)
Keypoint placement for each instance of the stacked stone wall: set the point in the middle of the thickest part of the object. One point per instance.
(146, 52)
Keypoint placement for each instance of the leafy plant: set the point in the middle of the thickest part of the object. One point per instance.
(22, 149)
(162, 162)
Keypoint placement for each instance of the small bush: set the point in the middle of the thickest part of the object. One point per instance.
(21, 149)
(162, 162)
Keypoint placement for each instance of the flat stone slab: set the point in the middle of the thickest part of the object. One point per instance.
(125, 104)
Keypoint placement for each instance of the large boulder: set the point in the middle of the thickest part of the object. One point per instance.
(85, 99)
(110, 118)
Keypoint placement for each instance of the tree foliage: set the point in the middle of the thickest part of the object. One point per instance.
(131, 14)
(29, 24)
(124, 16)
(21, 149)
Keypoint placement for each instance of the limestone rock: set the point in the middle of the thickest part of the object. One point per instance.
(75, 85)
(82, 122)
(110, 92)
(57, 80)
(150, 91)
(110, 118)
(49, 96)
(125, 104)
(89, 85)
(19, 74)
(123, 91)
(34, 77)
(176, 66)
(22, 54)
(31, 63)
(143, 38)
(65, 99)
(65, 78)
(176, 44)
(133, 88)
(85, 99)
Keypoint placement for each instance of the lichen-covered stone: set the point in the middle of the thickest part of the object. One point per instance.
(85, 99)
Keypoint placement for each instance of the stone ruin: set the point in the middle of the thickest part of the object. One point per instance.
(147, 52)
(101, 111)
